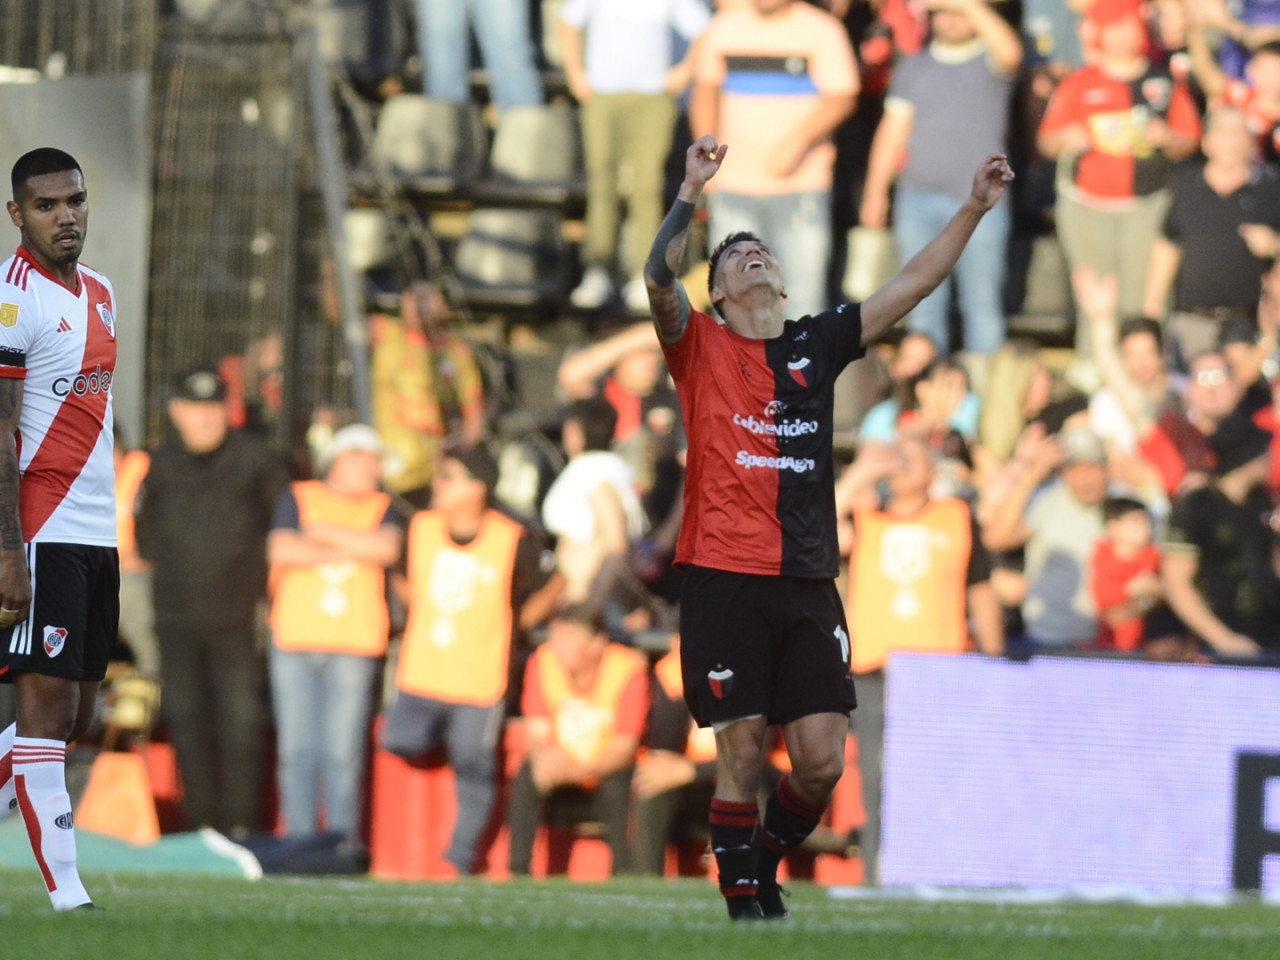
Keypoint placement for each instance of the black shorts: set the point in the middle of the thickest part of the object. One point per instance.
(75, 613)
(771, 645)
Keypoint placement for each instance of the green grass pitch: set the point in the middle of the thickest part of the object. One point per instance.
(181, 917)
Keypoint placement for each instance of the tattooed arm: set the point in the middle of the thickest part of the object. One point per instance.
(667, 298)
(15, 580)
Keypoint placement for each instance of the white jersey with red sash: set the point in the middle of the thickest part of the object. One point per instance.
(62, 342)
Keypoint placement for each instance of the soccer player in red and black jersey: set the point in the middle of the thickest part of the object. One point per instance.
(764, 639)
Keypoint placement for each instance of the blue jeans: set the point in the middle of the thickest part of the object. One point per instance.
(502, 30)
(918, 217)
(418, 725)
(323, 706)
(796, 227)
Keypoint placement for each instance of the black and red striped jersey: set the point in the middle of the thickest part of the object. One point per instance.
(759, 482)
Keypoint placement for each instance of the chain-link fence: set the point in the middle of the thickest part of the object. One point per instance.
(239, 249)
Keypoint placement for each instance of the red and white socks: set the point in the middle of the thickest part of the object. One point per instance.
(40, 784)
(8, 793)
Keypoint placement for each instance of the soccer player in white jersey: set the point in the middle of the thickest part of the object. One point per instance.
(59, 572)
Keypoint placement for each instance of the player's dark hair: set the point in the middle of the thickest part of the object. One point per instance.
(1113, 508)
(38, 162)
(597, 419)
(742, 236)
(1136, 325)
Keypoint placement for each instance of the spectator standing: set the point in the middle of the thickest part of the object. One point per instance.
(624, 79)
(203, 515)
(918, 572)
(1258, 94)
(1058, 526)
(592, 508)
(627, 369)
(947, 107)
(1116, 126)
(584, 704)
(1219, 237)
(473, 574)
(775, 78)
(59, 572)
(503, 30)
(1220, 571)
(427, 389)
(330, 543)
(1136, 392)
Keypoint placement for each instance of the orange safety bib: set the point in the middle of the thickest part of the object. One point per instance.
(332, 607)
(458, 639)
(584, 720)
(907, 586)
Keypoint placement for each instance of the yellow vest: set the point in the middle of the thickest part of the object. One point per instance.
(332, 607)
(457, 642)
(907, 587)
(584, 720)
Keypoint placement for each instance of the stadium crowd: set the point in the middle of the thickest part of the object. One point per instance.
(998, 497)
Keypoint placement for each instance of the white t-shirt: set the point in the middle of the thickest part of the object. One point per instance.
(62, 343)
(628, 42)
(566, 512)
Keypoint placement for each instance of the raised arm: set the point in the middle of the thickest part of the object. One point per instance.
(667, 298)
(1096, 296)
(929, 267)
(1204, 62)
(1004, 46)
(580, 371)
(15, 579)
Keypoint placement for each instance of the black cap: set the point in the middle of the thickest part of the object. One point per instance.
(201, 385)
(479, 463)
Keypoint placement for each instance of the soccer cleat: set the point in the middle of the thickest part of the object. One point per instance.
(769, 897)
(743, 908)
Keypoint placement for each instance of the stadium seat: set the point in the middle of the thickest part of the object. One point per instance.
(512, 259)
(537, 144)
(368, 231)
(418, 137)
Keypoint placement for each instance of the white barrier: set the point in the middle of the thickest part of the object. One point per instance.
(1068, 772)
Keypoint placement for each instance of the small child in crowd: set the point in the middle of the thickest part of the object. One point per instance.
(1126, 574)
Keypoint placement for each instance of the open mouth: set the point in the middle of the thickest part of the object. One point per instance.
(755, 264)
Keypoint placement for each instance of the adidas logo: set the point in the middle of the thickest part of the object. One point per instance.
(64, 327)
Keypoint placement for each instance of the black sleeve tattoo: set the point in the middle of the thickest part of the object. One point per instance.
(673, 229)
(667, 297)
(10, 411)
